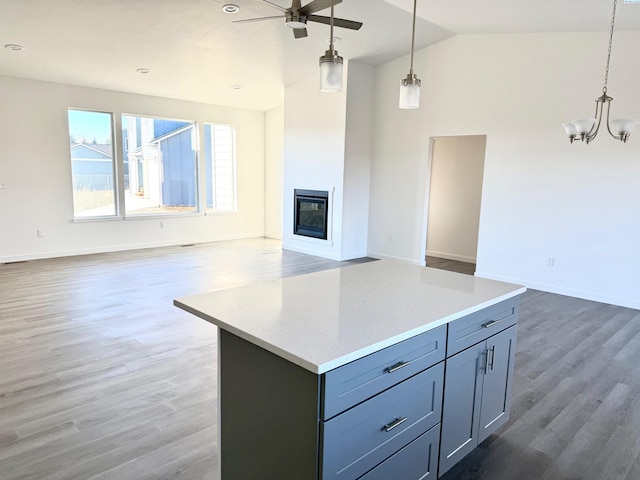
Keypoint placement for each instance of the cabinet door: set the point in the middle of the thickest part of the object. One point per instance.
(496, 391)
(461, 407)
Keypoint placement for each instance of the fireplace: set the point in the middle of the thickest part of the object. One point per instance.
(310, 213)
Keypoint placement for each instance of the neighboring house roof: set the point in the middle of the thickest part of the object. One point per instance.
(96, 151)
(162, 138)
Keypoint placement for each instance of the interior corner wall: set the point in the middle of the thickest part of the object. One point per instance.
(273, 172)
(357, 160)
(455, 192)
(542, 197)
(35, 164)
(314, 146)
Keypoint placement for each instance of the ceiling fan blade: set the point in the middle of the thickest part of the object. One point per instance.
(317, 5)
(259, 19)
(337, 22)
(275, 5)
(299, 32)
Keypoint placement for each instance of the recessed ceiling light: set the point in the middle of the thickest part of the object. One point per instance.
(236, 87)
(143, 71)
(14, 47)
(230, 8)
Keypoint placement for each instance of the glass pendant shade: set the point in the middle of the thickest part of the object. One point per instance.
(409, 96)
(584, 125)
(331, 74)
(570, 129)
(623, 125)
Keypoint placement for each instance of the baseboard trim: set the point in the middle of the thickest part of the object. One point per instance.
(119, 248)
(382, 256)
(545, 287)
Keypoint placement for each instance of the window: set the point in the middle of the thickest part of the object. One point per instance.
(219, 154)
(92, 164)
(156, 170)
(159, 166)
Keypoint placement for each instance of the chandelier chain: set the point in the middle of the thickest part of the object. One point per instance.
(606, 72)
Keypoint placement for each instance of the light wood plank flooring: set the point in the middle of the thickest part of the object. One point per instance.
(102, 378)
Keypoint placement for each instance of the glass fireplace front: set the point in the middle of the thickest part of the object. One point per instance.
(310, 213)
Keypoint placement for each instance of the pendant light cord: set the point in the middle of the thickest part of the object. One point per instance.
(331, 30)
(413, 35)
(606, 72)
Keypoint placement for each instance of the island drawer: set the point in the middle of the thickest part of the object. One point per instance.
(356, 441)
(359, 380)
(416, 461)
(467, 331)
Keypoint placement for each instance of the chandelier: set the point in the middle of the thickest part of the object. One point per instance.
(586, 129)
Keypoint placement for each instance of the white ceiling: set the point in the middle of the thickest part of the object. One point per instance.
(195, 52)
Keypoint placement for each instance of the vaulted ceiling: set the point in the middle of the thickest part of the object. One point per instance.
(194, 52)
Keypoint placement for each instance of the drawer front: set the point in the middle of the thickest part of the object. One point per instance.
(357, 381)
(356, 441)
(416, 461)
(479, 326)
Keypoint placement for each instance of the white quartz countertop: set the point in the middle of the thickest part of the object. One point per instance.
(321, 321)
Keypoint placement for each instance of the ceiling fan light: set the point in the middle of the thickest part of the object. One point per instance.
(295, 21)
(295, 24)
(410, 92)
(331, 72)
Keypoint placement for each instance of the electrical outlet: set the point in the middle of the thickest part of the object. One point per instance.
(40, 233)
(161, 224)
(551, 261)
(391, 238)
(3, 184)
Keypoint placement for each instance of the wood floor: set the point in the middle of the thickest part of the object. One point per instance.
(102, 378)
(451, 265)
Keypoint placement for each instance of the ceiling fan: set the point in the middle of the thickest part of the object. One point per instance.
(297, 16)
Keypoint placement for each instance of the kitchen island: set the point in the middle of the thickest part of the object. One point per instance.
(372, 371)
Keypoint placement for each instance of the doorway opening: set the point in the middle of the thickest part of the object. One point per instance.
(453, 205)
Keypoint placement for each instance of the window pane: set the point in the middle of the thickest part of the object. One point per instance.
(92, 165)
(219, 155)
(159, 165)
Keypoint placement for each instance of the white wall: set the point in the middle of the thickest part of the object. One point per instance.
(273, 172)
(35, 163)
(314, 142)
(542, 197)
(357, 160)
(328, 147)
(455, 191)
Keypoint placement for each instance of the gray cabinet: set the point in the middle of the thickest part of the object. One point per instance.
(477, 395)
(409, 411)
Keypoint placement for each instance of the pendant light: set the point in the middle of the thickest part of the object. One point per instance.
(410, 86)
(331, 66)
(586, 129)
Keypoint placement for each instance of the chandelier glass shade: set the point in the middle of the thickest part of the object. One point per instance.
(586, 129)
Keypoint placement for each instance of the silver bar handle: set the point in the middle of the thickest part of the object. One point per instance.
(396, 367)
(491, 351)
(484, 361)
(390, 426)
(490, 323)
